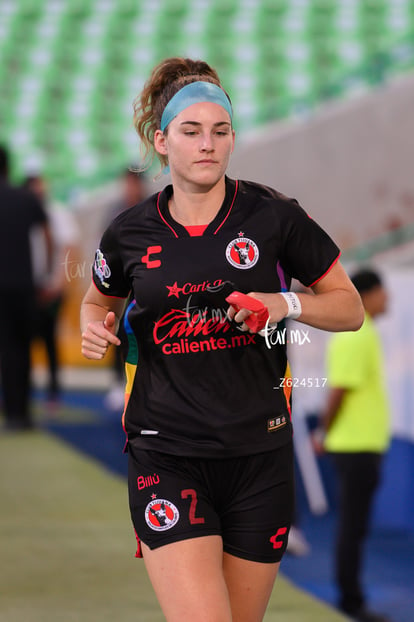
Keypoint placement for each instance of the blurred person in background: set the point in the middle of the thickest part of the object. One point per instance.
(20, 213)
(210, 448)
(133, 190)
(51, 283)
(355, 430)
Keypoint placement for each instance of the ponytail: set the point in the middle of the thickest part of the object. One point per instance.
(166, 79)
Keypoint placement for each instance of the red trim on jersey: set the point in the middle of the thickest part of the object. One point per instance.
(230, 208)
(162, 217)
(195, 230)
(328, 270)
(109, 295)
(139, 550)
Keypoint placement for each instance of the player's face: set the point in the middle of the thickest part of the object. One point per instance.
(199, 142)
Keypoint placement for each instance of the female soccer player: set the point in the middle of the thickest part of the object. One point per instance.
(209, 261)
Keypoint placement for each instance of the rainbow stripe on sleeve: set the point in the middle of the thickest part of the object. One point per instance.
(131, 361)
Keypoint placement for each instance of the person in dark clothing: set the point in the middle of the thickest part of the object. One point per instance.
(20, 211)
(355, 431)
(51, 285)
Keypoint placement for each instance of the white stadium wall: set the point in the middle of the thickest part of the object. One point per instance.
(350, 165)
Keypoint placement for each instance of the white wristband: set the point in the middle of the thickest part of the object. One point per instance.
(294, 306)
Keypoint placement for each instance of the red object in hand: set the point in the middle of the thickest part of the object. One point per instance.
(259, 316)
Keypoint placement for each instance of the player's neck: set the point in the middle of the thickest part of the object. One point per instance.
(196, 208)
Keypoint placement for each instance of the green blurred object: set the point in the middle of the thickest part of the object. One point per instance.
(69, 71)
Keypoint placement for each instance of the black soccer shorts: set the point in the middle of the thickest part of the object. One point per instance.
(248, 500)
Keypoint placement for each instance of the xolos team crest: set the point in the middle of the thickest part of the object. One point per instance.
(161, 514)
(242, 253)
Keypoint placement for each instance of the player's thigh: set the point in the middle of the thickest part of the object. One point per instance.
(249, 585)
(187, 577)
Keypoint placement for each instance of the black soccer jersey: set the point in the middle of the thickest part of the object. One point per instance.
(198, 385)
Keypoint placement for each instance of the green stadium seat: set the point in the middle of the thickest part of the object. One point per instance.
(70, 70)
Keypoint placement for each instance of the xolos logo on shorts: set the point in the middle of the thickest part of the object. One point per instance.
(242, 253)
(161, 514)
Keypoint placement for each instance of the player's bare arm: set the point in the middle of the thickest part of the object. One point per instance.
(99, 322)
(334, 305)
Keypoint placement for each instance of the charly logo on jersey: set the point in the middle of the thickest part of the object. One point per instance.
(161, 514)
(101, 268)
(242, 252)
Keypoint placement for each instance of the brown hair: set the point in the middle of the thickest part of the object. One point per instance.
(166, 79)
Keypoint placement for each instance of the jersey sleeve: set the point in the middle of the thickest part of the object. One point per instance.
(308, 251)
(107, 270)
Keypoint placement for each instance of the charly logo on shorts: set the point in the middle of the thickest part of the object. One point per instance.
(242, 253)
(161, 514)
(102, 270)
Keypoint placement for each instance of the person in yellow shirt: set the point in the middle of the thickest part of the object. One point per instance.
(356, 429)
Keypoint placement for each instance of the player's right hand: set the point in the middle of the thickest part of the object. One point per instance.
(248, 310)
(98, 336)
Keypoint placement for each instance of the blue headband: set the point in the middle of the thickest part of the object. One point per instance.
(194, 93)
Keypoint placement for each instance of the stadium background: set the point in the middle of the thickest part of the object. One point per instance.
(323, 93)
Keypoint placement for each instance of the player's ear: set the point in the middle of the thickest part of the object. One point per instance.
(160, 142)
